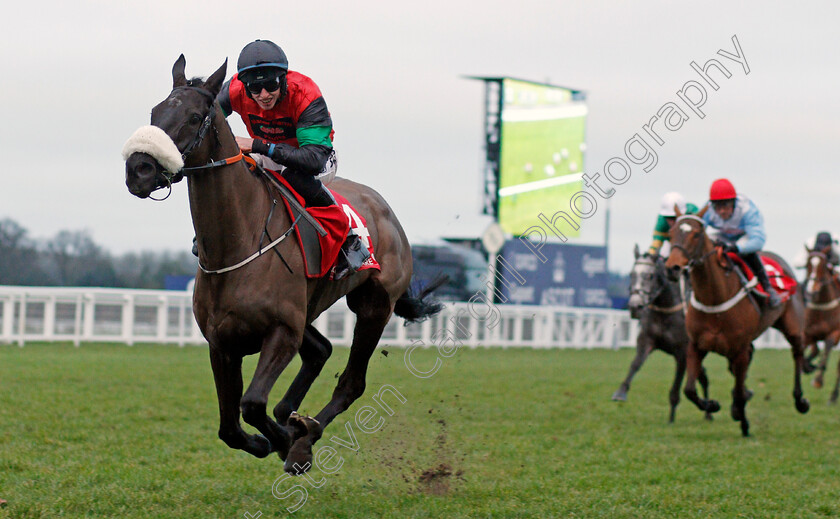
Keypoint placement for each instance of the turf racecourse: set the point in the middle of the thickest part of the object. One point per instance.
(130, 432)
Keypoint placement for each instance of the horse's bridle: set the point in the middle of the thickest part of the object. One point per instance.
(651, 296)
(692, 260)
(165, 178)
(809, 294)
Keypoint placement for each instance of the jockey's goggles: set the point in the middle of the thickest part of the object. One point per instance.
(270, 85)
(720, 204)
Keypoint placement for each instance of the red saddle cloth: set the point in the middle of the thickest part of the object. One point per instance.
(337, 220)
(785, 285)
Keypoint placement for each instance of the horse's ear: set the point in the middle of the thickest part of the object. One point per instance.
(636, 251)
(702, 211)
(214, 82)
(178, 77)
(677, 212)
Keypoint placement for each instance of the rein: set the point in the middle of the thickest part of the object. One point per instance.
(694, 262)
(206, 124)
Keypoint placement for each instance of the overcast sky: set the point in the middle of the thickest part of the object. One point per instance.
(80, 77)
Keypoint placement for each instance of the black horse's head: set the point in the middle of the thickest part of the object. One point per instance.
(176, 135)
(647, 281)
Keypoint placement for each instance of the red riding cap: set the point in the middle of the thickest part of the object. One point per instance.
(722, 189)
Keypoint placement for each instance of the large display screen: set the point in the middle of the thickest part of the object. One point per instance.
(542, 148)
(574, 275)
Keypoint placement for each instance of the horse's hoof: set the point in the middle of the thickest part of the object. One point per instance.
(299, 460)
(745, 428)
(619, 396)
(808, 368)
(259, 446)
(304, 426)
(803, 406)
(709, 417)
(712, 406)
(817, 383)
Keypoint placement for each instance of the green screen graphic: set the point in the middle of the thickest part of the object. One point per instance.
(542, 152)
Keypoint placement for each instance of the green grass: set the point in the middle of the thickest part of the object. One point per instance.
(119, 432)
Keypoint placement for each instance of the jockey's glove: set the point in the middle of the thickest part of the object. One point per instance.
(729, 247)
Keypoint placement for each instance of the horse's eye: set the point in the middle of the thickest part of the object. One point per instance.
(195, 119)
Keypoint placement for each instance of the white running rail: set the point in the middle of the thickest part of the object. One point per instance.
(129, 316)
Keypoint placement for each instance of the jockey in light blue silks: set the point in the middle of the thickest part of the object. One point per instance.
(736, 223)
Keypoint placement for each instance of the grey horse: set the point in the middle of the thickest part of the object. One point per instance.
(656, 301)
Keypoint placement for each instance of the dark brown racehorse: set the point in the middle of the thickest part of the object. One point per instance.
(822, 312)
(657, 303)
(722, 317)
(267, 306)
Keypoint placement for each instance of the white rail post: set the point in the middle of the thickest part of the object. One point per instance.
(127, 320)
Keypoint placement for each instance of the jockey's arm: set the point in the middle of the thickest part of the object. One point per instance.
(660, 235)
(309, 158)
(313, 129)
(754, 236)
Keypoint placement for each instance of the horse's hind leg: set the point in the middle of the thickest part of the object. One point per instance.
(643, 348)
(674, 395)
(789, 325)
(738, 366)
(278, 349)
(372, 306)
(227, 373)
(314, 352)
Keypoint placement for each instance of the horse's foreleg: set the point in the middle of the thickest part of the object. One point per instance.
(703, 378)
(227, 374)
(278, 349)
(314, 352)
(693, 367)
(830, 342)
(813, 352)
(674, 395)
(836, 391)
(643, 349)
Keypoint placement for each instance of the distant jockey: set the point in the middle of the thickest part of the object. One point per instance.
(667, 216)
(737, 225)
(819, 243)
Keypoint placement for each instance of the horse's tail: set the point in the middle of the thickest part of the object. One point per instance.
(416, 308)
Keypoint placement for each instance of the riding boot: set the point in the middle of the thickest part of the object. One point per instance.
(354, 253)
(753, 260)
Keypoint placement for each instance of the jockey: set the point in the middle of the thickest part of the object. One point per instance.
(665, 220)
(818, 243)
(736, 223)
(290, 131)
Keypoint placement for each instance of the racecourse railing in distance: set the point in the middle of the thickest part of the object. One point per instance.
(129, 316)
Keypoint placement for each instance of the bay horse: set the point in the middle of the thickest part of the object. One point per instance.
(725, 319)
(656, 301)
(267, 306)
(822, 312)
